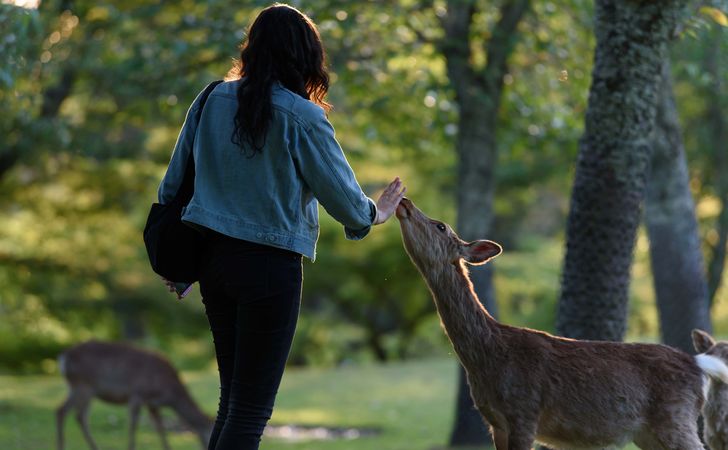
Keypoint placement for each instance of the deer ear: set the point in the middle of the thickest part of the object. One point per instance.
(480, 252)
(702, 341)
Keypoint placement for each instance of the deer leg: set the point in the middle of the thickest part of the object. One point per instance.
(647, 441)
(669, 436)
(682, 442)
(61, 419)
(516, 442)
(521, 435)
(690, 438)
(134, 407)
(676, 431)
(159, 425)
(82, 403)
(500, 439)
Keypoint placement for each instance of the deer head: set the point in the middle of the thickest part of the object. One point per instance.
(705, 343)
(712, 356)
(431, 243)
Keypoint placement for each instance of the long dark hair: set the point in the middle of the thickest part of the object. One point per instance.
(282, 45)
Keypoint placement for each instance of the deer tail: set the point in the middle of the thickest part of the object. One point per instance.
(713, 367)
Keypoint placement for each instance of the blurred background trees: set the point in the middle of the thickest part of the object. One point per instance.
(93, 94)
(613, 165)
(676, 256)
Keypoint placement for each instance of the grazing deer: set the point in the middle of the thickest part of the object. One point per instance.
(712, 358)
(531, 386)
(121, 374)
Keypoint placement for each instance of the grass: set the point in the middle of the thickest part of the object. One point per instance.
(411, 403)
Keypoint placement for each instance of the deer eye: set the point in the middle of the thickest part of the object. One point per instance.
(441, 227)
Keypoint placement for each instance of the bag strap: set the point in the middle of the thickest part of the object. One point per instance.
(187, 188)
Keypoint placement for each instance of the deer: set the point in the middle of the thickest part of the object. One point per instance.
(712, 358)
(119, 373)
(531, 386)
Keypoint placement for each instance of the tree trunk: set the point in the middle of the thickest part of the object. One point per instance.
(478, 93)
(677, 259)
(477, 157)
(718, 132)
(613, 164)
(718, 253)
(8, 158)
(54, 96)
(374, 340)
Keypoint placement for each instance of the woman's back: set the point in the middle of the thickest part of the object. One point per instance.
(268, 196)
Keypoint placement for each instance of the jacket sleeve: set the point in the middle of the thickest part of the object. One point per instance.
(182, 149)
(326, 171)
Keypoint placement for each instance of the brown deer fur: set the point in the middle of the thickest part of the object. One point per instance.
(122, 374)
(529, 385)
(712, 360)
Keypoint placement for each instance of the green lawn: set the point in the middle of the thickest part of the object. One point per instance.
(411, 403)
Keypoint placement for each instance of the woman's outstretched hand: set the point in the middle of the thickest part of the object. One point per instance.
(388, 201)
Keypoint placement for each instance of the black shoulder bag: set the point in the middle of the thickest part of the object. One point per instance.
(172, 246)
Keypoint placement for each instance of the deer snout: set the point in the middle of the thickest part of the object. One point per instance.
(404, 208)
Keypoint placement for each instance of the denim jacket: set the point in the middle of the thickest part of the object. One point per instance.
(271, 197)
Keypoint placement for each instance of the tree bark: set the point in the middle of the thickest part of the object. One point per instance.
(54, 95)
(677, 260)
(8, 158)
(478, 94)
(718, 253)
(612, 166)
(718, 132)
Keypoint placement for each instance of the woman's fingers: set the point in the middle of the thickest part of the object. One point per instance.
(393, 188)
(396, 192)
(393, 185)
(388, 201)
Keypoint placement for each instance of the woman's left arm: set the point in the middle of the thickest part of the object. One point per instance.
(326, 171)
(178, 163)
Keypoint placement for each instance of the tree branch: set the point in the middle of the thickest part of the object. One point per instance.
(54, 96)
(718, 128)
(420, 7)
(8, 158)
(456, 44)
(502, 41)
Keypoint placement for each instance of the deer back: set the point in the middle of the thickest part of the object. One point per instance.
(116, 372)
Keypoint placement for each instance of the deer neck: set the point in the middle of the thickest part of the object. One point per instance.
(715, 404)
(188, 410)
(466, 321)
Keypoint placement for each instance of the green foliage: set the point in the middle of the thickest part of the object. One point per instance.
(715, 14)
(93, 95)
(370, 284)
(20, 28)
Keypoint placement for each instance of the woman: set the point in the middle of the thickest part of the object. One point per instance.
(264, 154)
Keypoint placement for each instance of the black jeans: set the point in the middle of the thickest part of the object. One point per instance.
(252, 295)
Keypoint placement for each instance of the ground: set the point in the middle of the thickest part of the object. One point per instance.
(410, 403)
